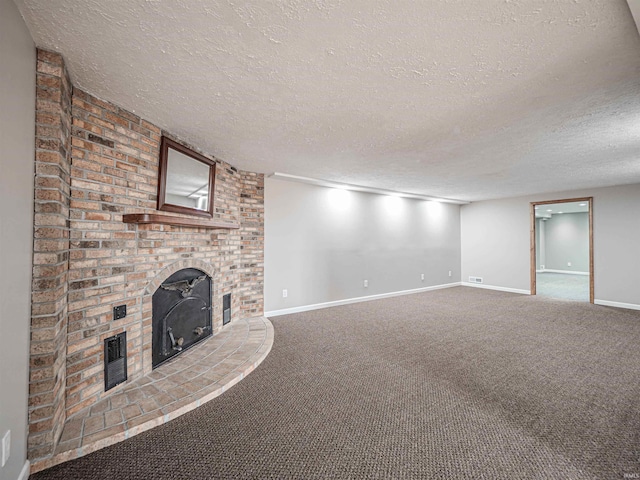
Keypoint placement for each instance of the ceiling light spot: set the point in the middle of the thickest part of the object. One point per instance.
(339, 198)
(434, 209)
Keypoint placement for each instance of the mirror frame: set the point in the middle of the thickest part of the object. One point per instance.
(166, 144)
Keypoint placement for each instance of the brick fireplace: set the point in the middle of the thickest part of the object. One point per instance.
(96, 162)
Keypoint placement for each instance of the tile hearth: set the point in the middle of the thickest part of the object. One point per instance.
(174, 388)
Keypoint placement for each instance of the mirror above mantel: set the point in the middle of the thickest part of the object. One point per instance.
(186, 180)
(186, 185)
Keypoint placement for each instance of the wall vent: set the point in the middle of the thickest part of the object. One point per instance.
(226, 308)
(115, 360)
(475, 279)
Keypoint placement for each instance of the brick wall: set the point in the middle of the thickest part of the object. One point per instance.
(50, 255)
(114, 171)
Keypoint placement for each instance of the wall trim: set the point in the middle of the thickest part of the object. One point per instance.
(24, 473)
(569, 272)
(607, 303)
(501, 289)
(347, 301)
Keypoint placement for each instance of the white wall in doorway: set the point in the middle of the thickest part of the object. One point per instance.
(565, 240)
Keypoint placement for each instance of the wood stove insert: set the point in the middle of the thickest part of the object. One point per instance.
(181, 315)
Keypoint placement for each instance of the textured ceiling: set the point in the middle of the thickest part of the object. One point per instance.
(469, 99)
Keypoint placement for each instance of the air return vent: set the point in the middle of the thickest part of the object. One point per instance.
(226, 308)
(115, 360)
(475, 279)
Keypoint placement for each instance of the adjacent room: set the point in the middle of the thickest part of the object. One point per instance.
(564, 256)
(320, 239)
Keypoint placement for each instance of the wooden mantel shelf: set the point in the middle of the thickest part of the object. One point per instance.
(177, 221)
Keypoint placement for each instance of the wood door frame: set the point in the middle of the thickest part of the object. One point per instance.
(532, 214)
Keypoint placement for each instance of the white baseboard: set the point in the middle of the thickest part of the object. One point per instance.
(607, 303)
(24, 474)
(317, 306)
(569, 272)
(501, 289)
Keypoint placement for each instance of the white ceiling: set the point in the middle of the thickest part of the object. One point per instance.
(469, 100)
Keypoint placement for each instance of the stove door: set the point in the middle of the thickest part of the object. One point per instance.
(184, 325)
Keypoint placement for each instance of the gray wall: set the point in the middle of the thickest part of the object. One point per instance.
(322, 243)
(17, 120)
(540, 246)
(495, 241)
(567, 240)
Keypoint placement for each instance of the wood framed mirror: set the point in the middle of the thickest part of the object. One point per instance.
(186, 180)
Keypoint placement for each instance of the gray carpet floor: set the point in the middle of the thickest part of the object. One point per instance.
(458, 383)
(562, 285)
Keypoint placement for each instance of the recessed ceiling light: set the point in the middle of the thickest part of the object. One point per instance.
(560, 212)
(549, 210)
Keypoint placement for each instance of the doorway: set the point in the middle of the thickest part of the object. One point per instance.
(562, 249)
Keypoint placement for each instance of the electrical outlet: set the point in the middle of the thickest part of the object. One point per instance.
(366, 283)
(449, 272)
(422, 277)
(568, 264)
(6, 447)
(119, 312)
(284, 293)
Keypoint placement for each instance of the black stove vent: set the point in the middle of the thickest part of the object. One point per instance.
(115, 360)
(226, 308)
